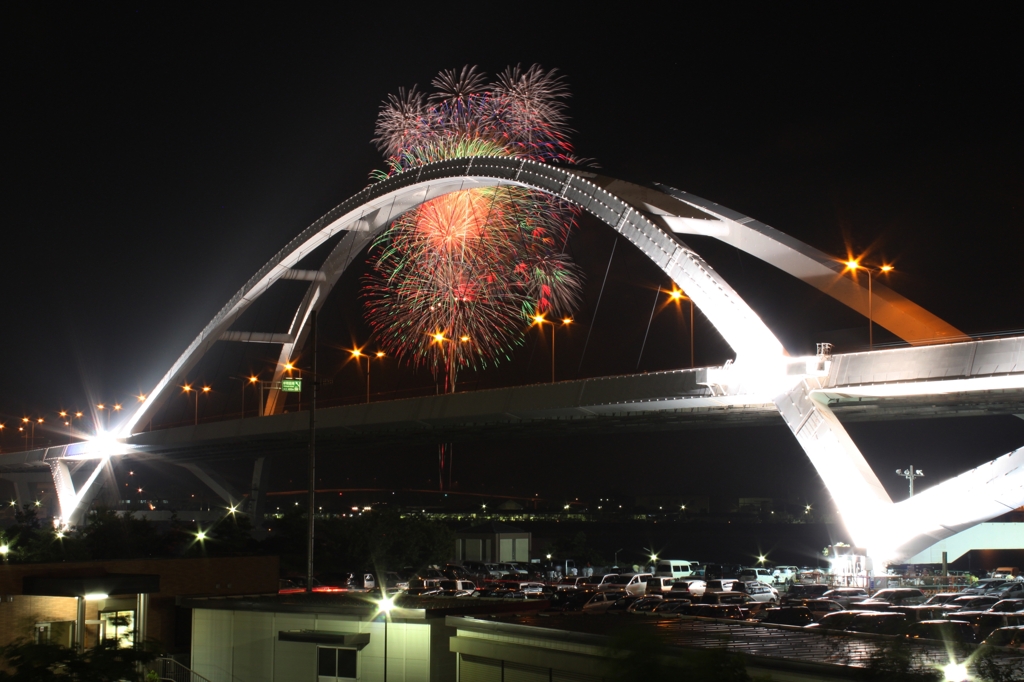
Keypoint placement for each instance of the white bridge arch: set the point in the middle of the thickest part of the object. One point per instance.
(651, 219)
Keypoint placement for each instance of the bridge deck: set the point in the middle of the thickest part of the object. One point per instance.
(963, 379)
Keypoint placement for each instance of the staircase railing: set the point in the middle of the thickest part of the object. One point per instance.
(168, 669)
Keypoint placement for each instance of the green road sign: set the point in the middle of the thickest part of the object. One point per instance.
(291, 385)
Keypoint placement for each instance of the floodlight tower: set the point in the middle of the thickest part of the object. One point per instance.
(910, 474)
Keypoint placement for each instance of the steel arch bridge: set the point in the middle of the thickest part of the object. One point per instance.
(653, 220)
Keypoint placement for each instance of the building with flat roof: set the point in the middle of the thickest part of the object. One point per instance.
(330, 637)
(128, 600)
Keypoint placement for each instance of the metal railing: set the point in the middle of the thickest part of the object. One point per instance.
(170, 669)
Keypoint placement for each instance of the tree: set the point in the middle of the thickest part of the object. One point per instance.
(31, 662)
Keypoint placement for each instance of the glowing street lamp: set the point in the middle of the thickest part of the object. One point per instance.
(385, 606)
(30, 433)
(853, 266)
(677, 295)
(379, 355)
(540, 321)
(187, 388)
(955, 672)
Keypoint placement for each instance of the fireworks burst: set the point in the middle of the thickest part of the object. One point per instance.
(453, 281)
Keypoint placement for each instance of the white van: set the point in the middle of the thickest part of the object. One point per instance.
(673, 568)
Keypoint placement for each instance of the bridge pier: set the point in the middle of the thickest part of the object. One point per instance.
(22, 486)
(214, 482)
(257, 496)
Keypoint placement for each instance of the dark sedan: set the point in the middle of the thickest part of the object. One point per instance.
(950, 631)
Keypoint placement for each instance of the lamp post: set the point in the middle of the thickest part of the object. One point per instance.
(677, 295)
(30, 435)
(358, 353)
(539, 320)
(853, 266)
(187, 388)
(385, 605)
(910, 474)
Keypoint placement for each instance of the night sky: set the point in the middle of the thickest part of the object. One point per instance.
(156, 156)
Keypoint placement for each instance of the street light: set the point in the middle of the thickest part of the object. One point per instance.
(677, 295)
(187, 388)
(30, 435)
(853, 266)
(539, 320)
(910, 474)
(379, 355)
(384, 606)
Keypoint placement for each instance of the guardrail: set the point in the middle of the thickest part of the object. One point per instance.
(172, 671)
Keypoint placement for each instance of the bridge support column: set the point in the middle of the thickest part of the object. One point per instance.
(74, 504)
(257, 496)
(214, 482)
(22, 486)
(859, 495)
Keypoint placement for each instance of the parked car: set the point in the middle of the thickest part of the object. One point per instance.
(713, 572)
(1012, 636)
(788, 615)
(821, 607)
(942, 598)
(569, 600)
(601, 602)
(727, 598)
(571, 583)
(922, 612)
(971, 602)
(983, 586)
(985, 622)
(477, 568)
(646, 604)
(846, 595)
(719, 585)
(839, 620)
(1006, 573)
(672, 606)
(757, 590)
(631, 583)
(799, 592)
(879, 623)
(730, 611)
(687, 589)
(893, 596)
(673, 568)
(512, 569)
(659, 584)
(761, 575)
(457, 588)
(809, 576)
(784, 574)
(1007, 606)
(950, 631)
(1009, 590)
(595, 581)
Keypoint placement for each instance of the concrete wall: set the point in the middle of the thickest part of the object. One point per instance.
(236, 646)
